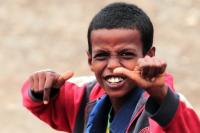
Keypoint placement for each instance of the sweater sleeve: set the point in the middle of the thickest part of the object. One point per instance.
(62, 109)
(173, 115)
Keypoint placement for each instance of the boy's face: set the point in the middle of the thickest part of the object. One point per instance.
(112, 48)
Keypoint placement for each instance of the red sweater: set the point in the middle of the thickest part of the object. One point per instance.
(69, 110)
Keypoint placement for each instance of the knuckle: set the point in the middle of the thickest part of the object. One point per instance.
(50, 74)
(35, 76)
(46, 89)
(49, 77)
(41, 74)
(30, 78)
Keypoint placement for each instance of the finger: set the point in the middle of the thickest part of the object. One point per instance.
(61, 79)
(160, 66)
(126, 72)
(31, 82)
(46, 95)
(138, 80)
(137, 70)
(157, 63)
(42, 79)
(147, 67)
(164, 66)
(35, 82)
(154, 68)
(47, 88)
(134, 76)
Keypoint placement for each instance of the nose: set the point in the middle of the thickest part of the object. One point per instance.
(113, 63)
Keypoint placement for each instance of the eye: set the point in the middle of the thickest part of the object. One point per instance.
(101, 56)
(127, 55)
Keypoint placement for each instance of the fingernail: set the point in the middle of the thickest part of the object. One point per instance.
(45, 102)
(153, 79)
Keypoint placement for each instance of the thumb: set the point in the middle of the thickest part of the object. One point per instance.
(126, 72)
(131, 74)
(62, 78)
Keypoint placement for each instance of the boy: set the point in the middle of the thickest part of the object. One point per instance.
(131, 92)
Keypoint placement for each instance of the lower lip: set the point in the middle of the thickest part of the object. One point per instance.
(115, 85)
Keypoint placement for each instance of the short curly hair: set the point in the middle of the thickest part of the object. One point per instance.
(123, 15)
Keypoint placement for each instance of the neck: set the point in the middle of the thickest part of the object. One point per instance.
(117, 103)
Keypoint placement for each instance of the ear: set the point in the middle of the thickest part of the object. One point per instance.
(89, 55)
(151, 52)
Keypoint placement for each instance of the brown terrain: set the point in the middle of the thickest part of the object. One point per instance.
(40, 34)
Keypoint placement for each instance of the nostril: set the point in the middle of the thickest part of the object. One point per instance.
(113, 63)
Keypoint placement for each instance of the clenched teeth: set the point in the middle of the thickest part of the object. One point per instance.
(115, 79)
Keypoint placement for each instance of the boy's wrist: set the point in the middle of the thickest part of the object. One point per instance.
(164, 112)
(158, 94)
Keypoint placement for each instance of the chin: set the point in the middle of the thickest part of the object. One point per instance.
(117, 94)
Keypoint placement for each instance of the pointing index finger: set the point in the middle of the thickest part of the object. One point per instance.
(46, 95)
(47, 89)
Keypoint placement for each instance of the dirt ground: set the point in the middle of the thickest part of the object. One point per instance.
(40, 34)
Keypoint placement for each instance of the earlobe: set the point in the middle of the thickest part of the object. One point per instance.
(151, 51)
(90, 61)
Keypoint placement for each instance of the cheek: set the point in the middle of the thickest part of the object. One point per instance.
(97, 67)
(129, 64)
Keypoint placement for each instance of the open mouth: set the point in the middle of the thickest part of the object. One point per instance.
(114, 81)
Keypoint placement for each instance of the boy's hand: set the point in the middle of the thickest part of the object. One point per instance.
(43, 81)
(149, 75)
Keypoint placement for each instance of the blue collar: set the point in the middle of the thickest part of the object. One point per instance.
(122, 119)
(97, 120)
(98, 117)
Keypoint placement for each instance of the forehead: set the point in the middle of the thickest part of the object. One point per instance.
(116, 38)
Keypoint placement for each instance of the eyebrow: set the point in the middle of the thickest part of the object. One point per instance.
(120, 50)
(128, 49)
(100, 50)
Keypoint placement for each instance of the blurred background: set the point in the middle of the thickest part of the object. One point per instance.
(40, 34)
